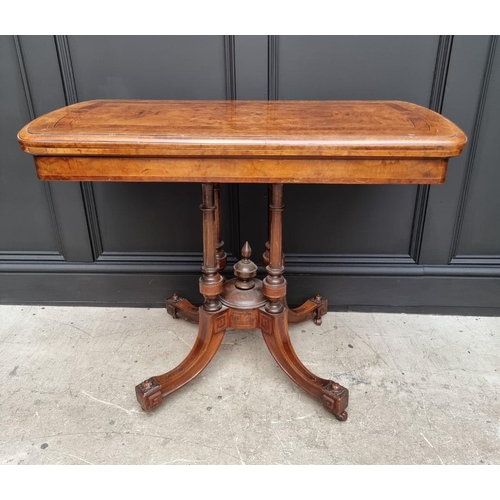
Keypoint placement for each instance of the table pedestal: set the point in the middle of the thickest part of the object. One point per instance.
(243, 303)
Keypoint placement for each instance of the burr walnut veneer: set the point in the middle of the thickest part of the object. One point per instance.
(273, 142)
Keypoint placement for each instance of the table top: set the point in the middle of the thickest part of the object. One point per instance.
(253, 141)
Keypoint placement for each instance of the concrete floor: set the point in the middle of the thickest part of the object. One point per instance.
(423, 390)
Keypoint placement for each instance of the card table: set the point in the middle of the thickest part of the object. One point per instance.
(271, 142)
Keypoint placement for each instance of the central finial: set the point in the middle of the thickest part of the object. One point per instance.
(245, 270)
(246, 252)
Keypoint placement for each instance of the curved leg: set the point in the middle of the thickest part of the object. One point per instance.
(178, 307)
(275, 332)
(314, 309)
(151, 392)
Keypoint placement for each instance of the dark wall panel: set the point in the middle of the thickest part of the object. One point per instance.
(154, 217)
(148, 67)
(357, 67)
(26, 222)
(251, 73)
(464, 88)
(480, 231)
(42, 71)
(364, 247)
(348, 219)
(353, 219)
(148, 218)
(139, 217)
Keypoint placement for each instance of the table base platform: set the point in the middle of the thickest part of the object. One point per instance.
(243, 303)
(274, 328)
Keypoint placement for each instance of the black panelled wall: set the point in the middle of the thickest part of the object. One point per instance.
(414, 248)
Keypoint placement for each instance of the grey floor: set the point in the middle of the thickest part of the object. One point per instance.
(423, 390)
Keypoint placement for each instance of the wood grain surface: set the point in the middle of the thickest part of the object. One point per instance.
(243, 141)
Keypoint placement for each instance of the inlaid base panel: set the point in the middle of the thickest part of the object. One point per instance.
(313, 308)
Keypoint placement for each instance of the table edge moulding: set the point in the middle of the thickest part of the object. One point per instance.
(272, 142)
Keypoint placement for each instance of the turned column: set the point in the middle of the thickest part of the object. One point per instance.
(220, 254)
(211, 280)
(274, 285)
(265, 255)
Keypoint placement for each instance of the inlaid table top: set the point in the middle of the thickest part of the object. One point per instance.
(243, 141)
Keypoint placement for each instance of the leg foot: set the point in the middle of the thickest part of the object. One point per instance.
(335, 400)
(179, 307)
(342, 417)
(151, 392)
(314, 309)
(275, 332)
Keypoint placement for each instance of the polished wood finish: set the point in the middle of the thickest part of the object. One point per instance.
(275, 332)
(250, 170)
(243, 128)
(314, 308)
(211, 281)
(220, 254)
(151, 392)
(274, 285)
(244, 303)
(355, 142)
(274, 327)
(179, 307)
(243, 141)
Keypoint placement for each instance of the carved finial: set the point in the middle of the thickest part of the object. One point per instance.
(245, 270)
(246, 251)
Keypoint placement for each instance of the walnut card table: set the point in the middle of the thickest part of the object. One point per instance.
(273, 142)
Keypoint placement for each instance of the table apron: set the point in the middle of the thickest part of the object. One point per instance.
(245, 170)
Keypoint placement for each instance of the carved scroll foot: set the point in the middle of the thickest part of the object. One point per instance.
(149, 394)
(179, 307)
(335, 399)
(314, 309)
(212, 327)
(274, 329)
